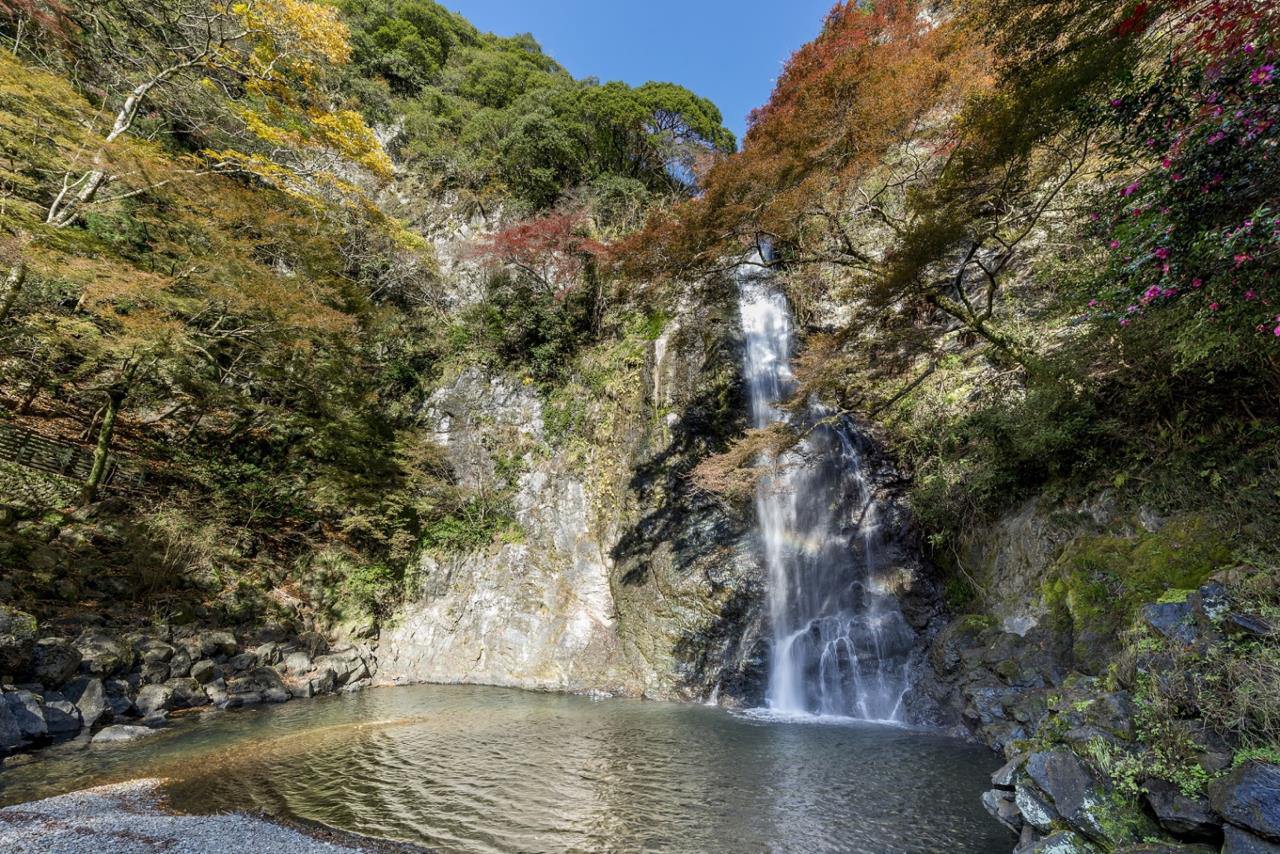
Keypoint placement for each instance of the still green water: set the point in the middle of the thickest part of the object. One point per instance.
(469, 769)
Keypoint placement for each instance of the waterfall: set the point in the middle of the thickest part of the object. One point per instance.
(840, 643)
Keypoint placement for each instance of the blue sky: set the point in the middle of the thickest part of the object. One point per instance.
(727, 50)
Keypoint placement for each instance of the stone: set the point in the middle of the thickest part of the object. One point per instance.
(152, 697)
(1036, 810)
(17, 640)
(103, 655)
(1209, 604)
(61, 716)
(90, 697)
(1249, 797)
(1167, 848)
(1063, 842)
(156, 652)
(259, 685)
(54, 661)
(243, 661)
(11, 737)
(180, 664)
(1187, 818)
(186, 693)
(297, 662)
(216, 691)
(27, 714)
(1174, 620)
(1002, 807)
(153, 673)
(119, 698)
(205, 671)
(314, 643)
(216, 642)
(1244, 625)
(121, 733)
(1082, 804)
(157, 719)
(1237, 841)
(269, 653)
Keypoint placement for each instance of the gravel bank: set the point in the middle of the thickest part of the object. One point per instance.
(131, 817)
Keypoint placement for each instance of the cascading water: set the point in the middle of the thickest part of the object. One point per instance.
(840, 643)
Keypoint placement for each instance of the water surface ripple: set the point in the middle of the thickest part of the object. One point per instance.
(468, 769)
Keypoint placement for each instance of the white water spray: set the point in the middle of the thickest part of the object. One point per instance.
(840, 643)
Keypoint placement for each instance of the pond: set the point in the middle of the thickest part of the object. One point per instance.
(471, 769)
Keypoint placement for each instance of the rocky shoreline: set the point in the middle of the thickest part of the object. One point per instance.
(104, 686)
(132, 817)
(1080, 776)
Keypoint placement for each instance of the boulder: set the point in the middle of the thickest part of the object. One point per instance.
(1249, 797)
(1237, 841)
(1187, 818)
(54, 661)
(152, 698)
(156, 652)
(297, 662)
(120, 733)
(1245, 626)
(1000, 804)
(61, 716)
(205, 671)
(1062, 842)
(153, 673)
(186, 693)
(1084, 806)
(180, 664)
(90, 698)
(1174, 620)
(1209, 604)
(217, 642)
(103, 655)
(216, 691)
(269, 653)
(259, 685)
(119, 698)
(10, 733)
(243, 661)
(17, 640)
(27, 713)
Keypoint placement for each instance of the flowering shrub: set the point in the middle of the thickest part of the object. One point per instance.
(1200, 231)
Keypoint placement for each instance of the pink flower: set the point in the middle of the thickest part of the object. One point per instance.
(1242, 258)
(1162, 252)
(1124, 321)
(1213, 306)
(1116, 103)
(1262, 75)
(1093, 303)
(1131, 189)
(1196, 283)
(1115, 244)
(1250, 295)
(1278, 331)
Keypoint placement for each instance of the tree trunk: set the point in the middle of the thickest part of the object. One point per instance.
(115, 397)
(12, 287)
(34, 389)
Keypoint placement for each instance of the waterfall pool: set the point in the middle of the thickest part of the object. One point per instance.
(472, 769)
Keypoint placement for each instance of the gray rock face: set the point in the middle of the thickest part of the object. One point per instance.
(17, 640)
(103, 655)
(90, 698)
(27, 713)
(11, 737)
(297, 662)
(1186, 818)
(1174, 620)
(122, 733)
(180, 664)
(185, 693)
(205, 671)
(1063, 842)
(1237, 841)
(61, 716)
(215, 643)
(260, 685)
(243, 661)
(153, 698)
(1249, 797)
(54, 661)
(119, 698)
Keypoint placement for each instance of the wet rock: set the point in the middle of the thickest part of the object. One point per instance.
(61, 716)
(157, 719)
(103, 655)
(1237, 841)
(27, 714)
(1244, 625)
(216, 691)
(1249, 797)
(1008, 774)
(1185, 817)
(1209, 604)
(153, 697)
(1062, 842)
(90, 698)
(1035, 808)
(122, 733)
(17, 640)
(1083, 804)
(205, 671)
(1174, 620)
(54, 661)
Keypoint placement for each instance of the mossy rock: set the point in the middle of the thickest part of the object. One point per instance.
(1098, 583)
